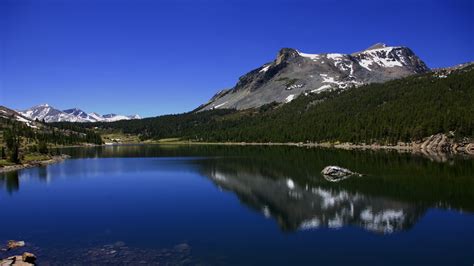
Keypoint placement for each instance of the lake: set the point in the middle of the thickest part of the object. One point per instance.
(241, 205)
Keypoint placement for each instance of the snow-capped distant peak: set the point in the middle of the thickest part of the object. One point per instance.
(50, 114)
(96, 116)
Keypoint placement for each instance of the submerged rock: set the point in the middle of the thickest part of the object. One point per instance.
(26, 259)
(336, 173)
(15, 244)
(29, 257)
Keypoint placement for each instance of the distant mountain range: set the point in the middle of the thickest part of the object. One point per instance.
(293, 73)
(32, 133)
(50, 114)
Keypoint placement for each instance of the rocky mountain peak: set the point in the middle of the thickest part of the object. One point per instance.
(293, 73)
(285, 54)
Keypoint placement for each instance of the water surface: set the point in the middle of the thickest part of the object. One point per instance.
(241, 205)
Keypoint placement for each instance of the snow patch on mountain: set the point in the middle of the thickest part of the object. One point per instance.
(321, 89)
(313, 57)
(381, 57)
(220, 105)
(290, 98)
(265, 68)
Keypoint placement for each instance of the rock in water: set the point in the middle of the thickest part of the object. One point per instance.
(29, 257)
(15, 244)
(336, 173)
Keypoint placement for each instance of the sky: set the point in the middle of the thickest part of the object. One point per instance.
(159, 57)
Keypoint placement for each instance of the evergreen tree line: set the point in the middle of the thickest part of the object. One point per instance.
(406, 109)
(16, 134)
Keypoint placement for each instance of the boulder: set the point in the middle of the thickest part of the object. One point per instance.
(27, 259)
(337, 173)
(15, 244)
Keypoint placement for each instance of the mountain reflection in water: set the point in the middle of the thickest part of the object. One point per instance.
(285, 183)
(302, 206)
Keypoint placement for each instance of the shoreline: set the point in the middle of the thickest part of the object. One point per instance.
(53, 159)
(433, 145)
(425, 147)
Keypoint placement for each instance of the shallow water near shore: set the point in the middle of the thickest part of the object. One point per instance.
(241, 205)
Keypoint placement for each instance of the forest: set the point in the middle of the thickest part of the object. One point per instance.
(407, 109)
(19, 139)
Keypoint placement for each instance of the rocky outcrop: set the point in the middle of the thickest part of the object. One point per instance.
(442, 143)
(438, 142)
(29, 257)
(469, 148)
(12, 244)
(26, 259)
(19, 260)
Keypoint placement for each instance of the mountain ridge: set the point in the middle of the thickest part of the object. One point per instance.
(432, 109)
(293, 73)
(50, 114)
(9, 114)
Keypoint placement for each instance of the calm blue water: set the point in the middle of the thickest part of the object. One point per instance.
(241, 206)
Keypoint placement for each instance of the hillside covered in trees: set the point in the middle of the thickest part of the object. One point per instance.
(407, 109)
(22, 141)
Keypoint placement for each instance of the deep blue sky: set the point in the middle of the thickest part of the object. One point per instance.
(158, 57)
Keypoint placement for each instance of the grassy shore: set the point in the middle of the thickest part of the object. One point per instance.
(31, 160)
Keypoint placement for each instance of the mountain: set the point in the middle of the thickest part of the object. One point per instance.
(299, 207)
(50, 114)
(12, 115)
(78, 113)
(293, 73)
(33, 132)
(408, 110)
